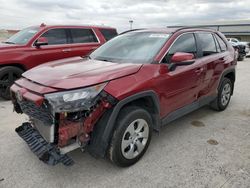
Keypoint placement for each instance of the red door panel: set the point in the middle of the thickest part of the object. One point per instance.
(180, 87)
(83, 49)
(48, 53)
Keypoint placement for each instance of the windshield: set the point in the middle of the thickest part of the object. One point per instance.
(23, 37)
(136, 47)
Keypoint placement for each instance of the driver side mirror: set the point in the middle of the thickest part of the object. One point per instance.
(181, 59)
(41, 41)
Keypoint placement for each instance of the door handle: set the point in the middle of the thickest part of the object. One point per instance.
(66, 50)
(199, 70)
(222, 58)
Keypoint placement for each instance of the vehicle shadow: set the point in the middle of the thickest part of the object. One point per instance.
(85, 164)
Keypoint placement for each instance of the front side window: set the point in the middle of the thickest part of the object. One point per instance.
(24, 36)
(83, 36)
(56, 36)
(132, 47)
(207, 44)
(185, 43)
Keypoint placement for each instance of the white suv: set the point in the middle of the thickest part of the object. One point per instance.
(237, 42)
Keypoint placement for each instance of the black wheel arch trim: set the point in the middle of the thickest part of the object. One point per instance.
(100, 145)
(14, 64)
(227, 71)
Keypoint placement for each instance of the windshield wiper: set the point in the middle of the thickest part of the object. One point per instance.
(7, 42)
(87, 57)
(103, 59)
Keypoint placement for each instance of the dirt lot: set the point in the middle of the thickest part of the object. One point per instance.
(202, 149)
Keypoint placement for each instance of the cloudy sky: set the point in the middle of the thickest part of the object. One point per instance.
(17, 14)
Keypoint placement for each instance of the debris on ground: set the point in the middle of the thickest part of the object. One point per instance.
(212, 142)
(198, 124)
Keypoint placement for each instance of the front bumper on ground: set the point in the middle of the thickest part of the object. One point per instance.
(46, 152)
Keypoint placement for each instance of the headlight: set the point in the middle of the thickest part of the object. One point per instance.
(75, 100)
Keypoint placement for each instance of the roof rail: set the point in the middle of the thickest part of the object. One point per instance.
(179, 28)
(131, 31)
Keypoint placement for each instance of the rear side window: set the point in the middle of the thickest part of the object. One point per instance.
(207, 43)
(222, 44)
(56, 36)
(83, 36)
(108, 33)
(185, 43)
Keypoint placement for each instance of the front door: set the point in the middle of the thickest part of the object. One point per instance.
(181, 86)
(58, 47)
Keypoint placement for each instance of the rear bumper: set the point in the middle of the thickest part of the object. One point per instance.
(46, 152)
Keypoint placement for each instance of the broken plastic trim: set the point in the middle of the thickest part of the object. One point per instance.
(45, 151)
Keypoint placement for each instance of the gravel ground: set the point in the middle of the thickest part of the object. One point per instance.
(202, 149)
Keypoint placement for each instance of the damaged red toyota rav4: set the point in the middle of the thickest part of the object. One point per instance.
(109, 103)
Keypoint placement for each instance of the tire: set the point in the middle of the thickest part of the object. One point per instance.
(241, 58)
(7, 77)
(224, 95)
(132, 119)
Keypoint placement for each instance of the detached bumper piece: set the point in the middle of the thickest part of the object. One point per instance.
(45, 151)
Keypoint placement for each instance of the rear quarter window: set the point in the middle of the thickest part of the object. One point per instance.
(222, 44)
(108, 33)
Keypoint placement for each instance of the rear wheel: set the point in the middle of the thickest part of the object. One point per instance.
(7, 77)
(224, 95)
(131, 137)
(241, 58)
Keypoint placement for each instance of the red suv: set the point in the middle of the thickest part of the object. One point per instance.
(35, 45)
(109, 103)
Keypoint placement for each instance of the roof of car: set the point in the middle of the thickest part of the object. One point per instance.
(169, 30)
(75, 26)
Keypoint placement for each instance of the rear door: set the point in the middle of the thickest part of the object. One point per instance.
(213, 58)
(58, 42)
(83, 41)
(181, 86)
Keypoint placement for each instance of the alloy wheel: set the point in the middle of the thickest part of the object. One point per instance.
(135, 138)
(225, 94)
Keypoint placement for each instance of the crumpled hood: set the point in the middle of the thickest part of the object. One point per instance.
(78, 72)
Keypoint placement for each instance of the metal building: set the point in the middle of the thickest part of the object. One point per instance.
(235, 29)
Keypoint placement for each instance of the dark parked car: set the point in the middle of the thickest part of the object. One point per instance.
(243, 48)
(39, 44)
(240, 51)
(109, 103)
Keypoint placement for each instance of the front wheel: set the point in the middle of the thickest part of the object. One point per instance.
(7, 77)
(131, 137)
(224, 95)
